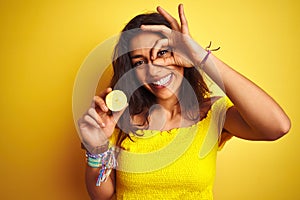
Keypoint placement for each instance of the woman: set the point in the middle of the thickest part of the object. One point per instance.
(169, 95)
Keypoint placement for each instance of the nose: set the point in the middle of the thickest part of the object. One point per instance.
(153, 70)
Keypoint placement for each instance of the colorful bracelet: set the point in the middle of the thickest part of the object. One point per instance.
(106, 161)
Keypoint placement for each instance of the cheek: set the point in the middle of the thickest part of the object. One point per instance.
(181, 70)
(140, 75)
(179, 79)
(179, 73)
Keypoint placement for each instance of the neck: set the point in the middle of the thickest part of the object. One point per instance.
(171, 107)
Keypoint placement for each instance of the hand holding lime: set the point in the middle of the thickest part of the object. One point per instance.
(116, 100)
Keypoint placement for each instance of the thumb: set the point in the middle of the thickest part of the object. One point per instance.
(164, 61)
(116, 115)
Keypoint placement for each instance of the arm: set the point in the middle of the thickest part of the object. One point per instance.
(96, 125)
(105, 191)
(255, 116)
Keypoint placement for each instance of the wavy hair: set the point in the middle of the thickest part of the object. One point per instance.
(141, 99)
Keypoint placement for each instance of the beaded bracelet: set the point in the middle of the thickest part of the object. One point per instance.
(106, 161)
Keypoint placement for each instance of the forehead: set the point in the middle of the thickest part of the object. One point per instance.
(144, 40)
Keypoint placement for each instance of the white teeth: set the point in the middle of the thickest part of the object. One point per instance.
(163, 81)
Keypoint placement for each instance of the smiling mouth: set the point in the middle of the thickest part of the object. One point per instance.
(162, 82)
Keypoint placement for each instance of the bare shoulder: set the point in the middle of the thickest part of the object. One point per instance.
(206, 105)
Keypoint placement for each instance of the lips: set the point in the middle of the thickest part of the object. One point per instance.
(163, 82)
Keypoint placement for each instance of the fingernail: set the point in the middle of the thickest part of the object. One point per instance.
(104, 108)
(102, 124)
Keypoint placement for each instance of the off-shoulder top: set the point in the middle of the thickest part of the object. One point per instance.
(175, 164)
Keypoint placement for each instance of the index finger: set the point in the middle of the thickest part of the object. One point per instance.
(157, 28)
(99, 100)
(105, 92)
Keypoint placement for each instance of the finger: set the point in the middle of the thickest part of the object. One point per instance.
(89, 120)
(173, 22)
(164, 61)
(177, 59)
(183, 20)
(116, 115)
(159, 44)
(105, 92)
(93, 113)
(157, 28)
(100, 103)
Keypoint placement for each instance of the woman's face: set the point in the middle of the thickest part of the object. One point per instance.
(163, 81)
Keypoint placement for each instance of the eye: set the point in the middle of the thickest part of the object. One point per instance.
(138, 63)
(162, 53)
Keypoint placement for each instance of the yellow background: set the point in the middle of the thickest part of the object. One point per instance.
(43, 44)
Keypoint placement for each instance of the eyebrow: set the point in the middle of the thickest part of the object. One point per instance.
(136, 56)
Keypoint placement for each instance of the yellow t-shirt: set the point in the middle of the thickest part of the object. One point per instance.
(175, 164)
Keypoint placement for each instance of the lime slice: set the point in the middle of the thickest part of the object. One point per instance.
(116, 100)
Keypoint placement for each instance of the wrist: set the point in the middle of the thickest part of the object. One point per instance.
(93, 149)
(197, 55)
(101, 148)
(204, 55)
(104, 162)
(204, 59)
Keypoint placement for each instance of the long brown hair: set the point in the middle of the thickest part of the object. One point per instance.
(141, 99)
